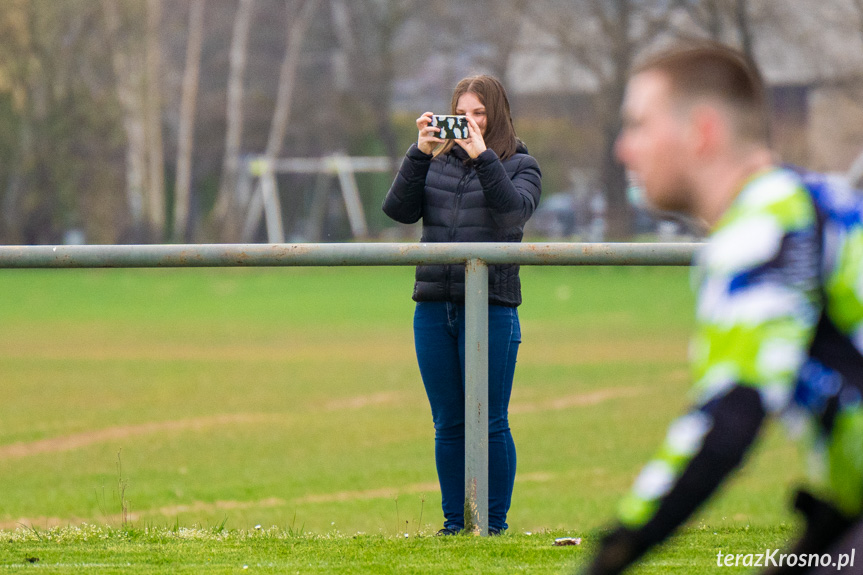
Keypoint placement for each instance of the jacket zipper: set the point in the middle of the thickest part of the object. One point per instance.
(458, 193)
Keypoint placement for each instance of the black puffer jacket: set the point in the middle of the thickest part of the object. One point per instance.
(464, 200)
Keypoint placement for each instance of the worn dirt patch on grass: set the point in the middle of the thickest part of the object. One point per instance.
(269, 502)
(84, 439)
(381, 493)
(575, 350)
(79, 440)
(380, 352)
(166, 511)
(576, 400)
(200, 506)
(361, 401)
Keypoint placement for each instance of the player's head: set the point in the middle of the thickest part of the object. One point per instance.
(684, 106)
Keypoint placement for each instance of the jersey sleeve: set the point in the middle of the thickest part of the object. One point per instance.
(758, 303)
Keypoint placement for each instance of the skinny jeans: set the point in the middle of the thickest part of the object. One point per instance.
(439, 337)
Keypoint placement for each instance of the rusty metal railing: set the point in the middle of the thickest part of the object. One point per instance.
(476, 256)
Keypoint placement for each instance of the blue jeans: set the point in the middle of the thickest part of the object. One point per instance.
(439, 338)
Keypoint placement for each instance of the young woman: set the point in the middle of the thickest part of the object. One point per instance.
(479, 189)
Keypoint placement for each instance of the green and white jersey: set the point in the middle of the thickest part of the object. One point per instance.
(758, 297)
(789, 248)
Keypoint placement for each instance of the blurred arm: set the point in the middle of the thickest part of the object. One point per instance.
(758, 305)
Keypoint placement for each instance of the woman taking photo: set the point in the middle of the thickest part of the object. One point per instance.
(482, 188)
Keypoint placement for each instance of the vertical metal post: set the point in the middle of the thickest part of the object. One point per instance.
(351, 196)
(272, 208)
(476, 398)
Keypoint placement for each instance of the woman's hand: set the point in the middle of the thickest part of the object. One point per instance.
(428, 135)
(473, 145)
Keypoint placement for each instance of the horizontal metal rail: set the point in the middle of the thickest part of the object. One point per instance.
(476, 257)
(345, 254)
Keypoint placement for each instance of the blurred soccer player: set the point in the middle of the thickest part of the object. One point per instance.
(780, 299)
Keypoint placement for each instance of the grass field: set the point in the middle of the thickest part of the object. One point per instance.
(171, 412)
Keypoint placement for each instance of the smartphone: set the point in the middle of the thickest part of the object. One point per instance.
(451, 127)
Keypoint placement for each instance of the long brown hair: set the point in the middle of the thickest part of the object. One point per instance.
(499, 130)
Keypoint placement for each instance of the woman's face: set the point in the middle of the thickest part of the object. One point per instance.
(469, 105)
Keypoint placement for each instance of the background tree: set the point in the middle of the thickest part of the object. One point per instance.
(603, 37)
(186, 132)
(226, 210)
(155, 148)
(125, 46)
(729, 21)
(57, 122)
(368, 33)
(92, 144)
(301, 12)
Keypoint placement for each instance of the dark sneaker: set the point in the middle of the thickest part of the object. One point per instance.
(446, 531)
(494, 532)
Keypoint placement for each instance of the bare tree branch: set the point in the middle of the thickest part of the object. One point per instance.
(128, 92)
(744, 27)
(186, 133)
(225, 210)
(287, 77)
(156, 195)
(568, 29)
(281, 115)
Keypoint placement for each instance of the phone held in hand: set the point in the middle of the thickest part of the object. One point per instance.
(451, 127)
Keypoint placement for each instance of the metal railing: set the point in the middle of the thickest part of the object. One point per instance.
(476, 256)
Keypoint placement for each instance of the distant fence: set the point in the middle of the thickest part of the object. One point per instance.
(476, 256)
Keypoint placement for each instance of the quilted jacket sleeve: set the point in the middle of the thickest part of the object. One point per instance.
(511, 197)
(404, 201)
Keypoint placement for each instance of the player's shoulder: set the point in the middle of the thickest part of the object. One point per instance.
(835, 198)
(771, 205)
(780, 195)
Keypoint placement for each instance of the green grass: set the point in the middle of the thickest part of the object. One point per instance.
(218, 400)
(183, 550)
